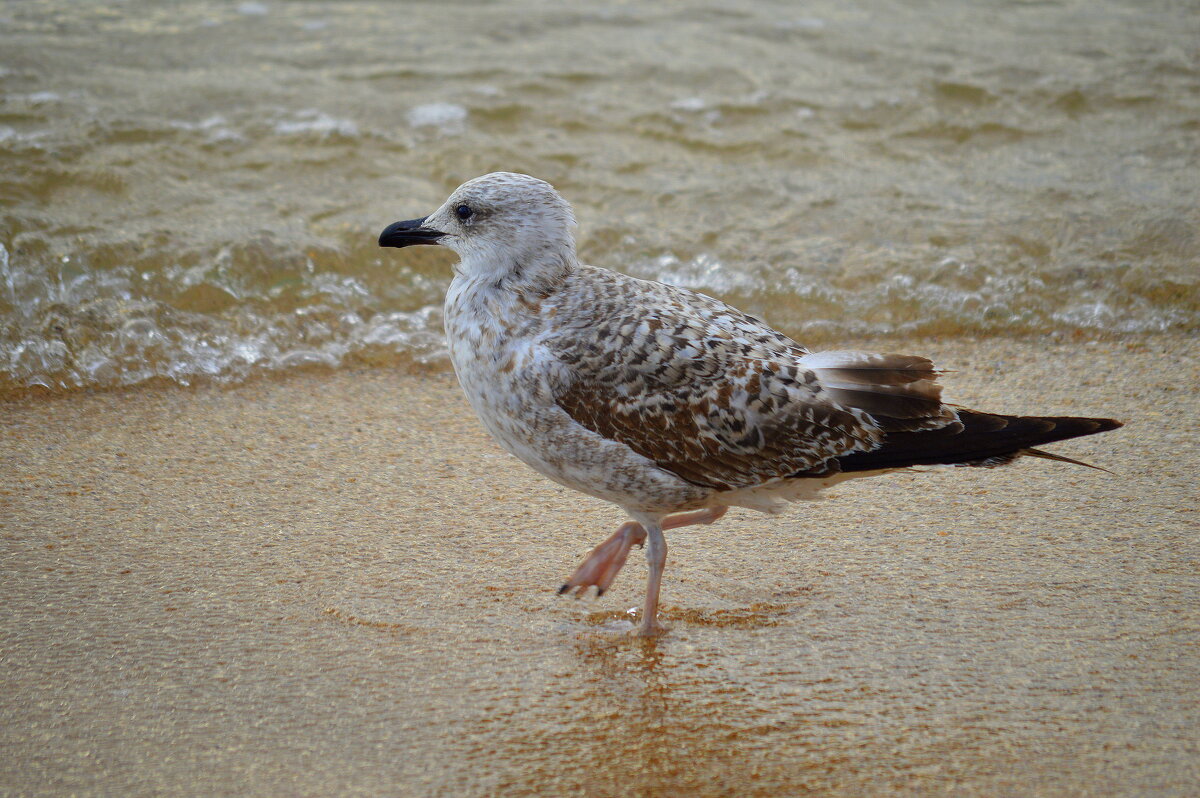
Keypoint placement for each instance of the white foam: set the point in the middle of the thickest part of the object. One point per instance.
(704, 273)
(313, 122)
(446, 117)
(690, 104)
(41, 98)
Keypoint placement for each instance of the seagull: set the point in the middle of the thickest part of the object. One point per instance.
(671, 404)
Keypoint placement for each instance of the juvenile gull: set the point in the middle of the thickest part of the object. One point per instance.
(669, 403)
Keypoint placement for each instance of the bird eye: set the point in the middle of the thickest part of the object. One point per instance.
(464, 212)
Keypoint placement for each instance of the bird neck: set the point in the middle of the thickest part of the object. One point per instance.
(536, 274)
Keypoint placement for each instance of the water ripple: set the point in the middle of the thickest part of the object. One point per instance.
(193, 192)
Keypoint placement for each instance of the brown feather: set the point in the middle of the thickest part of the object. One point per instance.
(900, 392)
(731, 415)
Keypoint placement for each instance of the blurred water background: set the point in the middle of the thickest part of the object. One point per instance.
(192, 191)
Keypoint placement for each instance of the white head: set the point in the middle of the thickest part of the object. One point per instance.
(500, 224)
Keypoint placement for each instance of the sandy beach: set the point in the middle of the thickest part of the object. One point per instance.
(336, 583)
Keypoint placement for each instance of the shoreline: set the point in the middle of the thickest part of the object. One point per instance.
(335, 582)
(406, 366)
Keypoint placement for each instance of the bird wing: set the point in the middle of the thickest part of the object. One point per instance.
(721, 399)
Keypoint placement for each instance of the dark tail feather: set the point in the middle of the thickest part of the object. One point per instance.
(899, 392)
(1058, 458)
(983, 440)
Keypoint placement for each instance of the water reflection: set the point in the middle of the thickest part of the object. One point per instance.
(673, 718)
(650, 743)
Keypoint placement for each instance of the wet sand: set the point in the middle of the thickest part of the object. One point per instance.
(335, 583)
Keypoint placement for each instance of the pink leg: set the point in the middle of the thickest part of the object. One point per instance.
(656, 558)
(604, 562)
(705, 516)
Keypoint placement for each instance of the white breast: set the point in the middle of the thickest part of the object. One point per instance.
(508, 377)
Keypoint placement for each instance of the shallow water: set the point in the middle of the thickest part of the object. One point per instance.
(193, 191)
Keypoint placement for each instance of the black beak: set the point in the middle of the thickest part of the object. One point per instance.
(407, 233)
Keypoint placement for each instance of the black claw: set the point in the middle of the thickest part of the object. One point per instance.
(599, 592)
(564, 589)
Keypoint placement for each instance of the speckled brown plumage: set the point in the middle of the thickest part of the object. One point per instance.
(705, 391)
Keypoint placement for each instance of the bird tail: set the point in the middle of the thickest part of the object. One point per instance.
(899, 392)
(1059, 458)
(984, 439)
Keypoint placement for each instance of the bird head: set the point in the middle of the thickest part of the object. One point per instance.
(499, 224)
